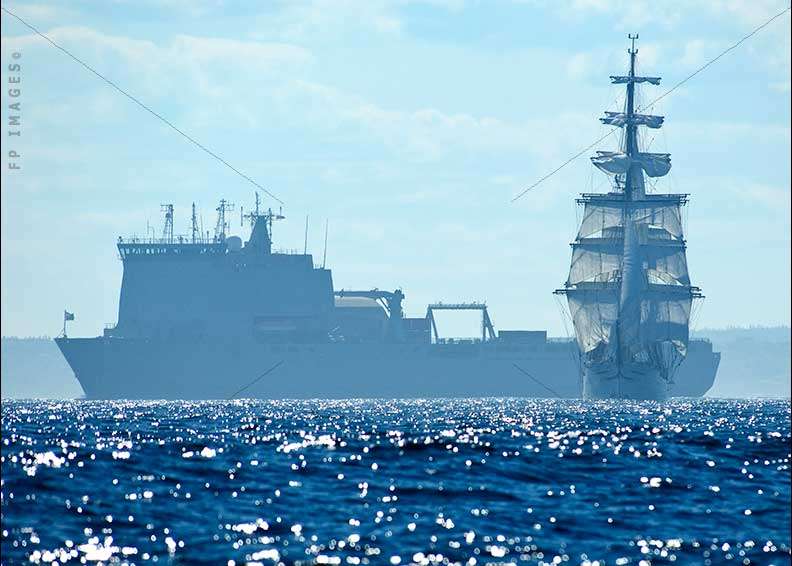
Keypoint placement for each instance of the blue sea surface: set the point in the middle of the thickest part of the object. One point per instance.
(474, 481)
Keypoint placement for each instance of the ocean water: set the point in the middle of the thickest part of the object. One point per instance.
(479, 481)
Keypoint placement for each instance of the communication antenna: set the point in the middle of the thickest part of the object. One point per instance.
(270, 217)
(324, 254)
(194, 223)
(222, 225)
(167, 229)
(305, 251)
(632, 37)
(255, 214)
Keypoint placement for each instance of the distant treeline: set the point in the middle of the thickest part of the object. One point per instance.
(34, 367)
(772, 333)
(755, 361)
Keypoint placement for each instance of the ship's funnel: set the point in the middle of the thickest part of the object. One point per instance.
(260, 241)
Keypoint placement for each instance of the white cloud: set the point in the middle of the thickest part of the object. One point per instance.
(177, 70)
(38, 13)
(627, 15)
(750, 12)
(636, 14)
(579, 65)
(782, 86)
(696, 52)
(317, 20)
(182, 52)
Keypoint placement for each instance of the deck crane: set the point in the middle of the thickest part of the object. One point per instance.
(487, 330)
(391, 302)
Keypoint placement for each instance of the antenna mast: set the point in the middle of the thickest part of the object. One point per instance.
(194, 223)
(324, 254)
(252, 216)
(270, 216)
(222, 225)
(167, 229)
(305, 249)
(630, 140)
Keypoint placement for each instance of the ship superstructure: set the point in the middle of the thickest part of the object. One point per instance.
(201, 287)
(628, 290)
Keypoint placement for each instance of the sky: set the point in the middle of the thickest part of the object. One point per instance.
(408, 125)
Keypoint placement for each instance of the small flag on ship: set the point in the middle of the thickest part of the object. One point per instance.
(68, 315)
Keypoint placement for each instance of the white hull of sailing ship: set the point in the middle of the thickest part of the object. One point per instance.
(639, 381)
(628, 289)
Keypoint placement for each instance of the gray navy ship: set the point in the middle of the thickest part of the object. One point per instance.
(208, 317)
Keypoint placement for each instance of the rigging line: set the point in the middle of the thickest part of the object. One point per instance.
(536, 380)
(564, 164)
(259, 378)
(656, 100)
(564, 317)
(711, 61)
(142, 105)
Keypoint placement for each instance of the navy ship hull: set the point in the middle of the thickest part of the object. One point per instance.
(128, 368)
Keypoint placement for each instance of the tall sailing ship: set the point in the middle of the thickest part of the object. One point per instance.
(628, 290)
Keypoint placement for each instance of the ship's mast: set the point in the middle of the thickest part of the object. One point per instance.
(270, 216)
(261, 226)
(194, 224)
(167, 229)
(630, 141)
(222, 225)
(627, 327)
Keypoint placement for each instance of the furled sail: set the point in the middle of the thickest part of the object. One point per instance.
(624, 79)
(618, 162)
(655, 164)
(620, 119)
(613, 162)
